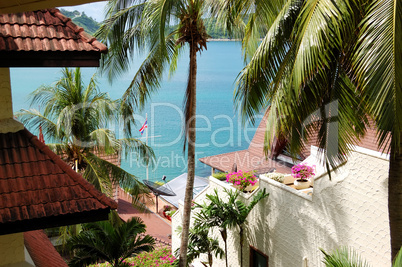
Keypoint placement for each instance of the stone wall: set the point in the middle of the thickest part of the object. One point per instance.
(290, 226)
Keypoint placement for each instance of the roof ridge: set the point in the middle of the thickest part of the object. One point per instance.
(41, 38)
(45, 202)
(224, 154)
(75, 176)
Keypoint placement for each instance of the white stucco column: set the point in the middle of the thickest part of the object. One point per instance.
(7, 122)
(12, 249)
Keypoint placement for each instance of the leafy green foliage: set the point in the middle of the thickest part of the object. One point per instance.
(103, 241)
(343, 257)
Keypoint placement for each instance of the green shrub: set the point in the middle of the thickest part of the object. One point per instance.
(220, 176)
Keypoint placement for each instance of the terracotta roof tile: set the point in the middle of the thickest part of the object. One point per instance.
(44, 30)
(41, 250)
(46, 38)
(35, 183)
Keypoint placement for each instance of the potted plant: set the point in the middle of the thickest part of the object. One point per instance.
(169, 214)
(243, 181)
(303, 174)
(166, 208)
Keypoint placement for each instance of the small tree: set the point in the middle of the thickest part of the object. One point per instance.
(238, 213)
(200, 243)
(103, 241)
(229, 214)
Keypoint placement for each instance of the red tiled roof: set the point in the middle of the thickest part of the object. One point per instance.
(39, 190)
(254, 157)
(46, 36)
(246, 160)
(41, 250)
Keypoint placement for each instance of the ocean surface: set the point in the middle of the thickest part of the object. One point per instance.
(219, 128)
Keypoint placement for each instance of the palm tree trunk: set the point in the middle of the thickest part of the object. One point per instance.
(395, 200)
(224, 237)
(190, 156)
(241, 246)
(210, 260)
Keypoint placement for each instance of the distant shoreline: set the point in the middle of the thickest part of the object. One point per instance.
(224, 40)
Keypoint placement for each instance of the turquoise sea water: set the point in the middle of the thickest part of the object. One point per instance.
(218, 127)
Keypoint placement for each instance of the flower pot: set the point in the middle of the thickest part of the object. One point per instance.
(302, 184)
(248, 188)
(167, 216)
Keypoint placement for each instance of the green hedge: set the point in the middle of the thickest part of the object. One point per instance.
(220, 176)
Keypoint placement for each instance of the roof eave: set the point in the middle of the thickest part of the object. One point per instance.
(49, 59)
(54, 221)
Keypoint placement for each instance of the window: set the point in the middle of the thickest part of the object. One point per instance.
(257, 258)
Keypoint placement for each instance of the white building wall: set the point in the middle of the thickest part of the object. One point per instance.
(289, 226)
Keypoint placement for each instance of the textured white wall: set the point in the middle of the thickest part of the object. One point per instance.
(350, 210)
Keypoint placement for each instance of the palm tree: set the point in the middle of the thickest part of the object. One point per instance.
(226, 214)
(162, 29)
(326, 67)
(75, 120)
(103, 241)
(238, 212)
(213, 215)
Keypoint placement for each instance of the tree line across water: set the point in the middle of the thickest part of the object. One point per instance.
(90, 25)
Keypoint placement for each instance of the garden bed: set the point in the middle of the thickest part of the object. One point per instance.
(161, 257)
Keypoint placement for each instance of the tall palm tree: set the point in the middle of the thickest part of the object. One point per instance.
(74, 120)
(161, 28)
(227, 214)
(322, 62)
(103, 241)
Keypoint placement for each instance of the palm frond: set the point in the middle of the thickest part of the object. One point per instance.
(343, 257)
(377, 66)
(108, 242)
(121, 32)
(253, 85)
(32, 119)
